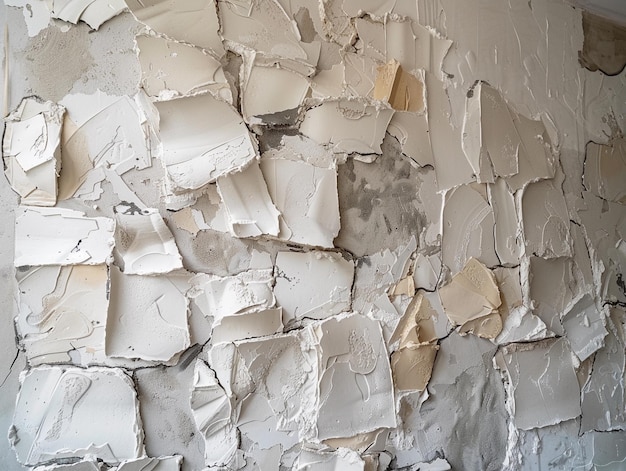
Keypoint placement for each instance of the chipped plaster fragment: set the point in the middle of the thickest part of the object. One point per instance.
(402, 90)
(144, 242)
(604, 44)
(162, 463)
(359, 74)
(56, 236)
(473, 295)
(194, 22)
(185, 219)
(170, 68)
(92, 12)
(248, 325)
(605, 166)
(31, 150)
(584, 327)
(212, 413)
(87, 464)
(348, 125)
(355, 384)
(67, 412)
(147, 317)
(312, 285)
(343, 458)
(203, 139)
(506, 225)
(249, 208)
(542, 383)
(62, 313)
(412, 132)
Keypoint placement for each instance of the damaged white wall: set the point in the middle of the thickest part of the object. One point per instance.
(312, 235)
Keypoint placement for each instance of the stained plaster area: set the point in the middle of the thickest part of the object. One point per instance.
(475, 348)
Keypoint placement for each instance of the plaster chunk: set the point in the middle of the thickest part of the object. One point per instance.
(343, 459)
(92, 12)
(584, 327)
(604, 167)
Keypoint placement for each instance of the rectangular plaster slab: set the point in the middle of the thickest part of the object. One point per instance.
(62, 313)
(31, 150)
(67, 412)
(51, 236)
(312, 285)
(170, 69)
(203, 139)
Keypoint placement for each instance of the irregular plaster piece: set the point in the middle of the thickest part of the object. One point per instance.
(170, 68)
(212, 412)
(584, 327)
(605, 166)
(427, 271)
(491, 142)
(185, 219)
(272, 89)
(343, 458)
(57, 236)
(62, 313)
(248, 325)
(471, 295)
(402, 90)
(337, 26)
(221, 297)
(31, 150)
(552, 289)
(145, 243)
(264, 27)
(329, 83)
(74, 412)
(36, 14)
(162, 463)
(506, 227)
(412, 132)
(312, 285)
(355, 384)
(191, 21)
(546, 220)
(88, 464)
(203, 139)
(542, 383)
(147, 317)
(248, 204)
(92, 12)
(604, 45)
(359, 75)
(467, 228)
(412, 366)
(348, 125)
(102, 131)
(306, 196)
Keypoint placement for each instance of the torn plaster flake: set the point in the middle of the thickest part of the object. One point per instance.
(300, 148)
(329, 83)
(412, 366)
(101, 131)
(403, 90)
(487, 327)
(604, 35)
(62, 313)
(375, 8)
(203, 139)
(185, 220)
(56, 236)
(468, 228)
(584, 327)
(92, 12)
(220, 297)
(412, 132)
(370, 441)
(604, 166)
(306, 197)
(87, 464)
(542, 382)
(442, 324)
(355, 384)
(451, 168)
(491, 142)
(191, 21)
(74, 412)
(268, 90)
(546, 220)
(417, 325)
(427, 271)
(250, 209)
(603, 400)
(264, 27)
(36, 14)
(268, 362)
(337, 26)
(509, 284)
(170, 68)
(609, 450)
(552, 289)
(212, 412)
(506, 226)
(472, 294)
(265, 460)
(359, 74)
(147, 317)
(343, 458)
(348, 125)
(522, 326)
(248, 325)
(144, 242)
(312, 285)
(162, 463)
(31, 150)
